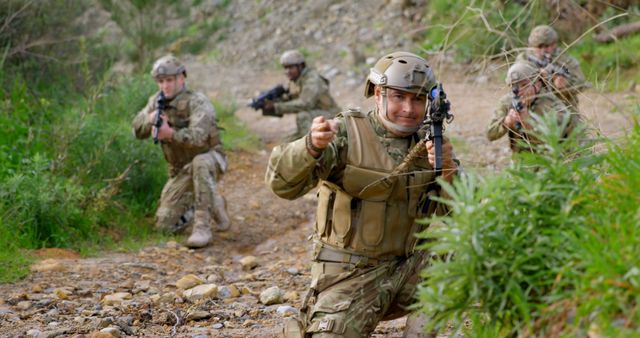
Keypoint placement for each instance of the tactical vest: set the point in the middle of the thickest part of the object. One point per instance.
(372, 214)
(179, 114)
(325, 101)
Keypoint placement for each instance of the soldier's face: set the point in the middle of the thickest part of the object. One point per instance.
(528, 90)
(544, 50)
(292, 72)
(403, 108)
(170, 85)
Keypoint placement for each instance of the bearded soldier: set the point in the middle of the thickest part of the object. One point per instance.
(192, 147)
(513, 115)
(364, 267)
(307, 94)
(560, 71)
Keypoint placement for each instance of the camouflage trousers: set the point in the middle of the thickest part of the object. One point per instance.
(349, 301)
(304, 120)
(194, 187)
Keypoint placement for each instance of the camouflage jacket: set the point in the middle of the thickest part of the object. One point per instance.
(193, 119)
(542, 104)
(576, 79)
(292, 171)
(310, 91)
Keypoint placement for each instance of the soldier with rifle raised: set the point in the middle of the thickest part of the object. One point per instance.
(307, 95)
(365, 268)
(560, 71)
(184, 123)
(528, 97)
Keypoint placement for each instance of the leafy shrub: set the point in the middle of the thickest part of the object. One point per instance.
(543, 248)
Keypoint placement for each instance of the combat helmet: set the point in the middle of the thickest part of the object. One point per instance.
(291, 58)
(403, 71)
(521, 71)
(168, 65)
(542, 35)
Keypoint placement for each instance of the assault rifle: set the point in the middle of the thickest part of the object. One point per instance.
(161, 103)
(516, 104)
(549, 66)
(437, 113)
(269, 95)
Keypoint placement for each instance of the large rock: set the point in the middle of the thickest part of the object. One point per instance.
(189, 281)
(204, 291)
(272, 295)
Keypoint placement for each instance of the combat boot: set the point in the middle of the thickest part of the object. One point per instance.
(201, 233)
(220, 213)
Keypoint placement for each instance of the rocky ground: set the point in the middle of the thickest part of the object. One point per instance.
(254, 275)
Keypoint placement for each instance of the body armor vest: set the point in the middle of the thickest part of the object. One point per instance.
(178, 114)
(373, 214)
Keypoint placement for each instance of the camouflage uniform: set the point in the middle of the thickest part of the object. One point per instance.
(194, 155)
(542, 104)
(364, 267)
(546, 35)
(308, 97)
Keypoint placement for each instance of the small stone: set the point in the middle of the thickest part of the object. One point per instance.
(204, 291)
(198, 315)
(291, 296)
(173, 245)
(168, 297)
(37, 288)
(217, 326)
(101, 335)
(53, 324)
(113, 331)
(104, 322)
(228, 291)
(24, 305)
(116, 298)
(248, 262)
(155, 299)
(189, 281)
(293, 271)
(286, 311)
(33, 333)
(272, 295)
(62, 293)
(141, 286)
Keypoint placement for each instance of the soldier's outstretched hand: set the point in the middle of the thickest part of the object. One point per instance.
(322, 133)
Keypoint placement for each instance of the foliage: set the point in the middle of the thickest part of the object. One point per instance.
(496, 30)
(149, 26)
(540, 249)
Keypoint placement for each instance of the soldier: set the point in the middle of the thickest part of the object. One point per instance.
(192, 147)
(513, 114)
(560, 70)
(308, 94)
(364, 266)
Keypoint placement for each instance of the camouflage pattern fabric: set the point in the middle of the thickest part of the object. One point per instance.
(345, 299)
(308, 97)
(576, 79)
(194, 155)
(545, 102)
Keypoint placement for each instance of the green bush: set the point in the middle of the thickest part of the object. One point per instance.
(543, 248)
